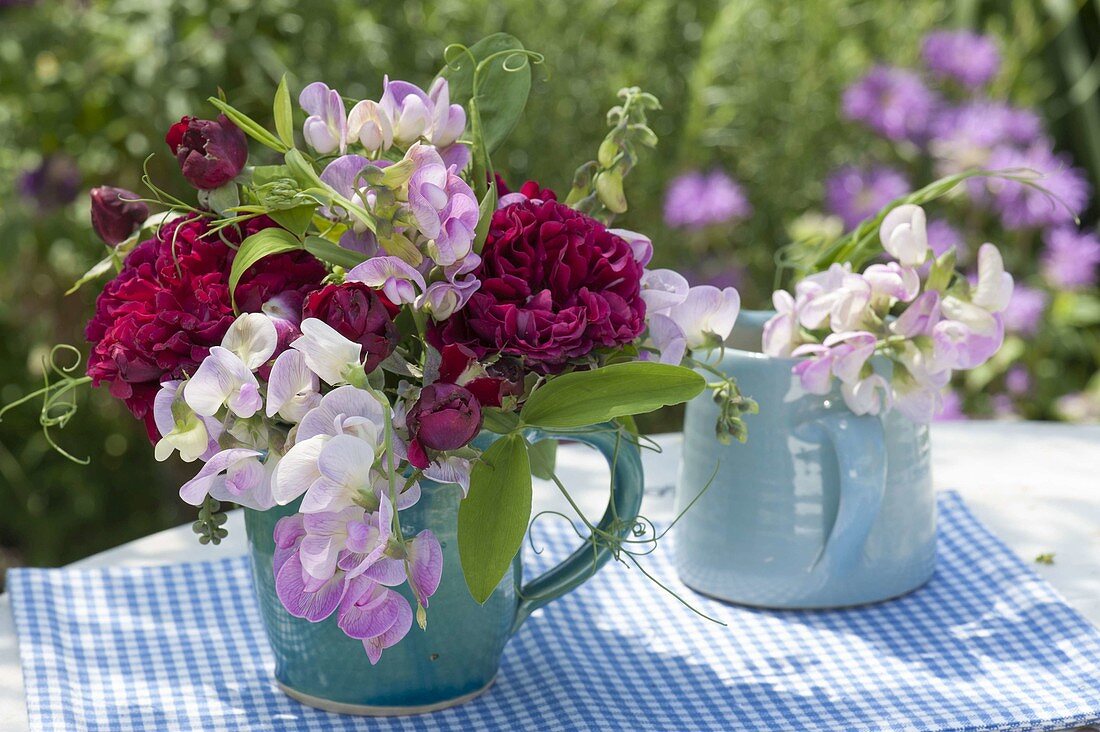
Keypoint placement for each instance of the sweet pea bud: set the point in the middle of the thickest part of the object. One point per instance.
(116, 213)
(398, 174)
(939, 276)
(609, 187)
(607, 152)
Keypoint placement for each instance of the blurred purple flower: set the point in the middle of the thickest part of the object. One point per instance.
(952, 410)
(967, 57)
(893, 102)
(1070, 258)
(855, 194)
(696, 200)
(1023, 206)
(1025, 310)
(1018, 380)
(942, 236)
(54, 183)
(1004, 407)
(964, 137)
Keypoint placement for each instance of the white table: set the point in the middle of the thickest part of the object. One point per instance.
(1036, 485)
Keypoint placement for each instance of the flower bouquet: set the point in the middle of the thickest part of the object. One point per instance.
(370, 341)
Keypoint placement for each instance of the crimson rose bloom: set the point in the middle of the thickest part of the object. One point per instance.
(555, 284)
(444, 417)
(210, 152)
(158, 319)
(358, 313)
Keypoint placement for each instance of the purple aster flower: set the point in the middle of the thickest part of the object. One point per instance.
(963, 137)
(967, 57)
(952, 410)
(893, 102)
(54, 183)
(942, 236)
(696, 200)
(855, 194)
(1025, 310)
(1023, 206)
(1070, 258)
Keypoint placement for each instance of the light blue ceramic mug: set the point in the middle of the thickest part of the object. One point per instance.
(818, 508)
(457, 656)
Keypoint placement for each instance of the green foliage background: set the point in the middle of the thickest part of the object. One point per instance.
(749, 85)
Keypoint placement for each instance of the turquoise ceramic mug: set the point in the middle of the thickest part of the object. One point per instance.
(457, 656)
(819, 508)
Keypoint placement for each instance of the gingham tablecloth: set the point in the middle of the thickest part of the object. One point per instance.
(986, 645)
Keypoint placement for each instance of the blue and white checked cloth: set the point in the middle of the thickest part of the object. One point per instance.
(986, 645)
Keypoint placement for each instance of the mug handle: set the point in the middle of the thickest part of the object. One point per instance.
(625, 501)
(860, 447)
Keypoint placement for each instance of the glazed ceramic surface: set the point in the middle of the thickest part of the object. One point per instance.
(819, 508)
(458, 655)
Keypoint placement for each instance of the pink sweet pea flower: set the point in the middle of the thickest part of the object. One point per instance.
(424, 557)
(871, 395)
(236, 475)
(397, 279)
(302, 595)
(815, 371)
(326, 128)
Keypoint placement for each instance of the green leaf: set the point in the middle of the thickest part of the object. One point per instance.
(499, 421)
(485, 216)
(492, 519)
(584, 398)
(284, 114)
(333, 253)
(249, 126)
(101, 268)
(504, 84)
(543, 455)
(296, 219)
(262, 244)
(263, 174)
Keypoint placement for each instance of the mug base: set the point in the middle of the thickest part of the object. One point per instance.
(369, 710)
(809, 605)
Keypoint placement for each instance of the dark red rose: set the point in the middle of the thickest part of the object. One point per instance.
(358, 313)
(555, 285)
(444, 417)
(210, 152)
(159, 317)
(489, 384)
(116, 214)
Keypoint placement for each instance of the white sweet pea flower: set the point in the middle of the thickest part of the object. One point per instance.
(344, 469)
(449, 469)
(327, 353)
(369, 123)
(222, 379)
(871, 395)
(662, 289)
(920, 403)
(236, 475)
(640, 244)
(225, 377)
(326, 535)
(668, 338)
(329, 477)
(994, 288)
(904, 235)
(781, 332)
(837, 296)
(967, 337)
(890, 283)
(706, 315)
(292, 389)
(181, 429)
(850, 352)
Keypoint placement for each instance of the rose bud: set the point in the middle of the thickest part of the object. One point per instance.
(445, 417)
(358, 313)
(116, 214)
(210, 152)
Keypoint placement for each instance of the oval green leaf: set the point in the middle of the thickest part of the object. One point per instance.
(262, 244)
(492, 519)
(584, 398)
(284, 114)
(333, 253)
(504, 85)
(249, 126)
